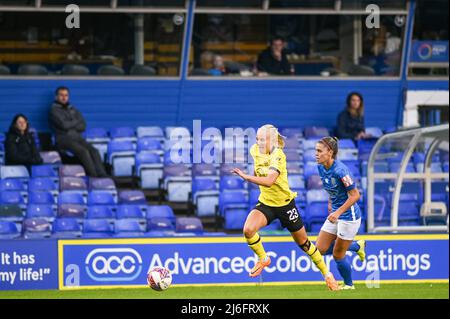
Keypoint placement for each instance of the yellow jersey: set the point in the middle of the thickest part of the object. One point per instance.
(279, 194)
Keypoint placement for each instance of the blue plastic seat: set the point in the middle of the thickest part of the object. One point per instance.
(316, 195)
(314, 182)
(97, 134)
(408, 211)
(296, 181)
(309, 155)
(43, 184)
(439, 191)
(70, 183)
(121, 155)
(310, 169)
(96, 226)
(13, 184)
(149, 169)
(233, 207)
(294, 168)
(71, 205)
(100, 212)
(66, 228)
(310, 143)
(41, 198)
(51, 157)
(160, 224)
(293, 156)
(290, 132)
(8, 230)
(354, 168)
(71, 198)
(100, 197)
(127, 228)
(13, 171)
(292, 144)
(12, 198)
(122, 133)
(316, 131)
(253, 197)
(231, 183)
(316, 213)
(41, 211)
(149, 144)
(205, 196)
(189, 224)
(346, 144)
(200, 170)
(375, 131)
(225, 168)
(164, 211)
(150, 131)
(72, 171)
(46, 170)
(177, 182)
(35, 228)
(132, 197)
(126, 211)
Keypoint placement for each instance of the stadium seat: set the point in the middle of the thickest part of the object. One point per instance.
(69, 183)
(72, 171)
(177, 182)
(36, 228)
(160, 224)
(292, 168)
(42, 198)
(408, 212)
(310, 144)
(253, 197)
(163, 211)
(314, 182)
(150, 131)
(226, 168)
(233, 207)
(310, 169)
(231, 183)
(149, 169)
(149, 144)
(13, 171)
(135, 212)
(71, 204)
(376, 132)
(316, 213)
(13, 184)
(204, 170)
(292, 156)
(435, 167)
(439, 191)
(104, 184)
(121, 155)
(66, 228)
(123, 133)
(316, 131)
(110, 70)
(189, 224)
(127, 228)
(346, 144)
(292, 144)
(309, 155)
(97, 228)
(43, 184)
(8, 230)
(316, 195)
(205, 196)
(41, 211)
(51, 157)
(354, 168)
(32, 69)
(4, 70)
(348, 154)
(100, 197)
(132, 197)
(98, 137)
(71, 198)
(11, 212)
(46, 170)
(12, 198)
(74, 69)
(100, 212)
(296, 181)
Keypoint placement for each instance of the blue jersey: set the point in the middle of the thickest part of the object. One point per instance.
(337, 181)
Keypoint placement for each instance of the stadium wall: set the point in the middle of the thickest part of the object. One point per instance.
(132, 102)
(110, 263)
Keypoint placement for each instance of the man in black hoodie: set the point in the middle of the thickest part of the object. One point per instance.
(68, 125)
(20, 146)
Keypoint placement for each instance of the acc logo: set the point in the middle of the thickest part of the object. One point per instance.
(113, 264)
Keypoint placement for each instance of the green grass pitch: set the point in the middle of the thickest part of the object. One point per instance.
(266, 291)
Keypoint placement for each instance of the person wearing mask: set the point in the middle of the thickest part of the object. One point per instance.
(350, 122)
(68, 124)
(20, 146)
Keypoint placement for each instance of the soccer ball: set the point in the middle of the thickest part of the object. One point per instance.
(159, 278)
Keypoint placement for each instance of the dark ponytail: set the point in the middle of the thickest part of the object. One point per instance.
(332, 143)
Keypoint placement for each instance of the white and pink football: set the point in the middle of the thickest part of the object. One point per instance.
(159, 278)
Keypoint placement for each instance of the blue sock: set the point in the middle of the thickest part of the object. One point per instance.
(345, 269)
(353, 247)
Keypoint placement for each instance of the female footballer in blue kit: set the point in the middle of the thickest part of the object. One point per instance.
(344, 219)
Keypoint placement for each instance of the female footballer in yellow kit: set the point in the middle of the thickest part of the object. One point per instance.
(276, 201)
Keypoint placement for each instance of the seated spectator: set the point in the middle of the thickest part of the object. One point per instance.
(218, 67)
(20, 146)
(350, 122)
(274, 60)
(68, 125)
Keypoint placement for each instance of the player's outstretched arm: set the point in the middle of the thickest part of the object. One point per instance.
(262, 180)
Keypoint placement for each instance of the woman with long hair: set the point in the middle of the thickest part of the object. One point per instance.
(276, 201)
(350, 122)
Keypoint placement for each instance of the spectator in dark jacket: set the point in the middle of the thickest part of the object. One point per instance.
(274, 60)
(350, 122)
(68, 125)
(20, 146)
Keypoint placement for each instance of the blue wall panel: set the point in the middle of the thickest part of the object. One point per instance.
(220, 103)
